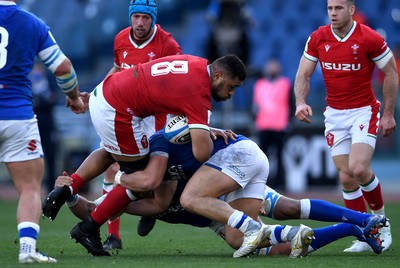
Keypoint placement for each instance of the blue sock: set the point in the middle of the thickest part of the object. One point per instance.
(329, 234)
(28, 232)
(278, 232)
(324, 211)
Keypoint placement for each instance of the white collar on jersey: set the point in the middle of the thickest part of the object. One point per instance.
(147, 41)
(348, 35)
(7, 3)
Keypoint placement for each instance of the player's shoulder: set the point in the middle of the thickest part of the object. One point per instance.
(23, 16)
(322, 32)
(366, 32)
(123, 33)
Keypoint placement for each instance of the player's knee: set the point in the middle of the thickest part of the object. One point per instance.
(360, 171)
(186, 201)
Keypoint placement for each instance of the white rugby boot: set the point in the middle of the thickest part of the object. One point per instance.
(301, 241)
(35, 257)
(251, 240)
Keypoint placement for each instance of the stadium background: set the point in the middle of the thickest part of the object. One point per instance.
(85, 30)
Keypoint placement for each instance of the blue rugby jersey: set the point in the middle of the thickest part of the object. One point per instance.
(181, 166)
(22, 37)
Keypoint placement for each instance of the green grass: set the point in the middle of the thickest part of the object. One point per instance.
(177, 246)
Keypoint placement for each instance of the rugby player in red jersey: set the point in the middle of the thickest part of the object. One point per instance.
(348, 52)
(142, 41)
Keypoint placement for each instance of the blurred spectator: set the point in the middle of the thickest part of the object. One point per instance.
(229, 20)
(272, 104)
(45, 97)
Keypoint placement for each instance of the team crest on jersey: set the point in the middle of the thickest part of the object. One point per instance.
(355, 48)
(330, 139)
(151, 56)
(327, 47)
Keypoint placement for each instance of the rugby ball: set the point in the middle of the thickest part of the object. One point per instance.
(177, 130)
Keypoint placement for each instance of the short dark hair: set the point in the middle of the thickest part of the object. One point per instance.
(231, 65)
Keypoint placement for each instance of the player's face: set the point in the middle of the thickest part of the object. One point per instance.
(141, 24)
(223, 87)
(340, 14)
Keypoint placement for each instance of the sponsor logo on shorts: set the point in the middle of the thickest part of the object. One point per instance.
(110, 147)
(237, 171)
(32, 145)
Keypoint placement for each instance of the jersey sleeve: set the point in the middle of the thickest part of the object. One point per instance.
(379, 51)
(310, 50)
(159, 146)
(171, 47)
(46, 38)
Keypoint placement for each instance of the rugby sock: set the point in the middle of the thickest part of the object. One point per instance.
(324, 236)
(113, 225)
(320, 210)
(242, 222)
(28, 233)
(77, 183)
(115, 201)
(355, 200)
(373, 194)
(278, 234)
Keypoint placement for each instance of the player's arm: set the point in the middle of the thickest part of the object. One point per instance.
(302, 89)
(95, 164)
(55, 60)
(390, 89)
(148, 179)
(156, 205)
(202, 144)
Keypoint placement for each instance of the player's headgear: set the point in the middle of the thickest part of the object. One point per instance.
(144, 6)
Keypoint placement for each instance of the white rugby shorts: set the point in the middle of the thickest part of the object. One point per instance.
(19, 140)
(247, 165)
(130, 140)
(346, 127)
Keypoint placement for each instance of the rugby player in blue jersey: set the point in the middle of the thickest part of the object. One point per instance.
(23, 36)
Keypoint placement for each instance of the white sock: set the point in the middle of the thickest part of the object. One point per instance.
(28, 233)
(305, 208)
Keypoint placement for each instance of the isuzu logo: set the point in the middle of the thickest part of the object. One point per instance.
(341, 66)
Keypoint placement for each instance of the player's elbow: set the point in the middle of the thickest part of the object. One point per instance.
(64, 68)
(150, 184)
(202, 156)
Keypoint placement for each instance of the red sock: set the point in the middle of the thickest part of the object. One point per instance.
(77, 183)
(116, 200)
(357, 204)
(113, 226)
(373, 194)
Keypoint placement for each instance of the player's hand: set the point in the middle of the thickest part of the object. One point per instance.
(64, 180)
(224, 133)
(303, 113)
(79, 105)
(387, 125)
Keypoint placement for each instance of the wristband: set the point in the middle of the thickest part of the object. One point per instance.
(117, 178)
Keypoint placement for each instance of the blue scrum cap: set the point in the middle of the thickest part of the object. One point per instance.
(144, 6)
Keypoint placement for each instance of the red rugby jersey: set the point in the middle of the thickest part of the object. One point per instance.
(347, 63)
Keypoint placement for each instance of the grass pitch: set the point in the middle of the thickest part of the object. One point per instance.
(178, 246)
